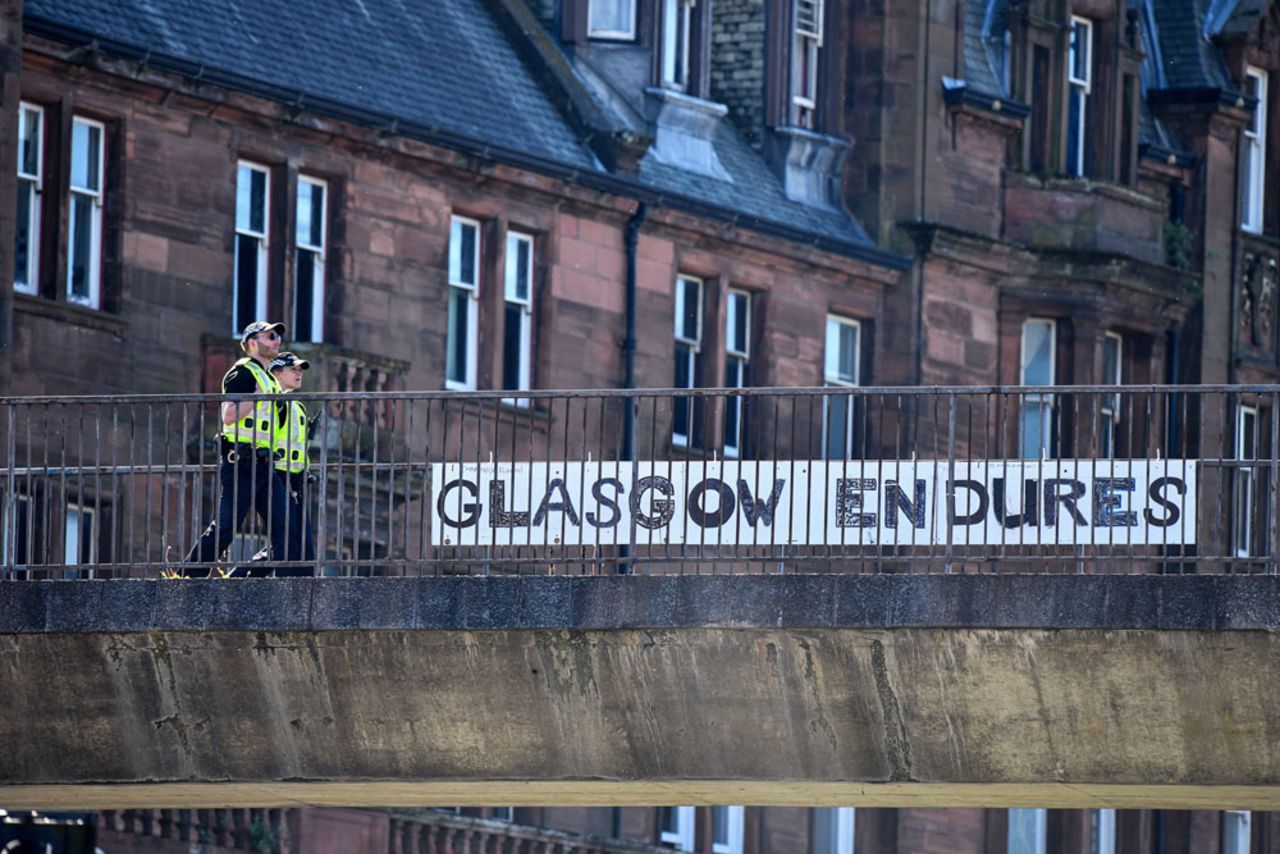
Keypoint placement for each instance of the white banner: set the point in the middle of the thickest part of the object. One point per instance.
(915, 503)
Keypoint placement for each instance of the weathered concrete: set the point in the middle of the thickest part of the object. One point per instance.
(991, 690)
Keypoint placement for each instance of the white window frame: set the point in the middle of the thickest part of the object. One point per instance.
(806, 44)
(677, 17)
(262, 238)
(507, 814)
(683, 836)
(511, 297)
(831, 376)
(737, 354)
(693, 345)
(320, 251)
(1109, 406)
(733, 825)
(71, 535)
(1243, 821)
(95, 196)
(1044, 402)
(472, 289)
(1103, 832)
(627, 11)
(844, 823)
(1040, 832)
(35, 179)
(1079, 88)
(1255, 157)
(1246, 486)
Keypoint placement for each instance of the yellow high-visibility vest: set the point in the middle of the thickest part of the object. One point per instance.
(291, 440)
(258, 427)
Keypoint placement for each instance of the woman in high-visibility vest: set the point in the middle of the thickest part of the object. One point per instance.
(246, 474)
(291, 460)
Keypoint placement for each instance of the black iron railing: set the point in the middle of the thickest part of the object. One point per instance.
(839, 479)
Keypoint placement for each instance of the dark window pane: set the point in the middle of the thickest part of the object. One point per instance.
(837, 427)
(689, 311)
(257, 201)
(512, 345)
(81, 256)
(22, 255)
(467, 256)
(316, 236)
(522, 270)
(304, 295)
(456, 367)
(246, 280)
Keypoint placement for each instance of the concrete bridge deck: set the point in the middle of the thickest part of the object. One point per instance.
(873, 690)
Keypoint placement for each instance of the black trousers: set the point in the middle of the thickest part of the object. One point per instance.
(248, 480)
(302, 538)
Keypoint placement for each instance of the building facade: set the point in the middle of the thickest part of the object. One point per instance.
(560, 194)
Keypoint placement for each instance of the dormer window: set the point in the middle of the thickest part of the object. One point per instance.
(677, 17)
(1254, 155)
(611, 19)
(1080, 85)
(807, 39)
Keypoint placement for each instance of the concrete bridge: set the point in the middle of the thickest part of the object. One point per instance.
(870, 690)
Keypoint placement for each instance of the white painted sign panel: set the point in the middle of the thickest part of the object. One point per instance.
(812, 503)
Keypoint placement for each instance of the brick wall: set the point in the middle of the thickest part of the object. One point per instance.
(738, 63)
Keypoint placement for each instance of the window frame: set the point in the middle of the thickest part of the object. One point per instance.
(831, 378)
(320, 266)
(511, 297)
(734, 823)
(1254, 159)
(1047, 401)
(18, 531)
(694, 347)
(1079, 89)
(1243, 840)
(80, 511)
(36, 180)
(1245, 493)
(1109, 404)
(472, 289)
(806, 45)
(683, 836)
(262, 238)
(96, 197)
(843, 823)
(676, 22)
(1102, 831)
(612, 35)
(1040, 833)
(738, 359)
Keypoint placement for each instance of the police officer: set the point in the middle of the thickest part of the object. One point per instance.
(291, 460)
(246, 472)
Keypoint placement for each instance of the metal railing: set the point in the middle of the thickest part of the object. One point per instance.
(966, 479)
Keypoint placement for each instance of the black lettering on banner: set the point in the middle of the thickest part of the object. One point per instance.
(849, 503)
(1052, 497)
(615, 513)
(976, 516)
(1172, 511)
(724, 509)
(896, 495)
(564, 505)
(498, 516)
(1030, 515)
(1106, 512)
(664, 508)
(471, 509)
(753, 508)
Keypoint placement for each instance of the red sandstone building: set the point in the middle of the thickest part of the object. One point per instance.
(463, 195)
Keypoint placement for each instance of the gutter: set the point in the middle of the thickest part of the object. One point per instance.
(470, 146)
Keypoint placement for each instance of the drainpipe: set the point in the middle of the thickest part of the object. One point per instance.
(631, 239)
(629, 343)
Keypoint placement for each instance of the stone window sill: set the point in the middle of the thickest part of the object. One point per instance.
(66, 312)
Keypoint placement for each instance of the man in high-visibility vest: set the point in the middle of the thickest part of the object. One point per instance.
(291, 460)
(247, 476)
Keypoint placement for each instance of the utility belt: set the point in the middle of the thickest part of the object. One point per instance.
(243, 452)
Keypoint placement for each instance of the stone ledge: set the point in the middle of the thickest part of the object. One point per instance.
(1075, 602)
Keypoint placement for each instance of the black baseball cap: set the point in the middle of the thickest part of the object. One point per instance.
(259, 326)
(289, 360)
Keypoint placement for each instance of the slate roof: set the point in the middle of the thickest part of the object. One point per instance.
(439, 64)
